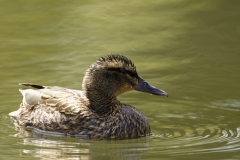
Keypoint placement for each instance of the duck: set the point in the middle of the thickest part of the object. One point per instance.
(93, 112)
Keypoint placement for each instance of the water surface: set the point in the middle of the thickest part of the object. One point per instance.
(187, 48)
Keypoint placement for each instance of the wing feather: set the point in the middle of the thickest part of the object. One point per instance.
(60, 99)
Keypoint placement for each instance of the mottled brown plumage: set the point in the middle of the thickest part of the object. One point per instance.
(94, 112)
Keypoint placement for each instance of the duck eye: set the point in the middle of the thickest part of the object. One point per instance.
(123, 70)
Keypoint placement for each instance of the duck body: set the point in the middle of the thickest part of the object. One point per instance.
(93, 113)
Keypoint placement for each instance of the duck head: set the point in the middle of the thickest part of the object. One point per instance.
(113, 75)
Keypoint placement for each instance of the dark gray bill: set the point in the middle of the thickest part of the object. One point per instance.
(143, 86)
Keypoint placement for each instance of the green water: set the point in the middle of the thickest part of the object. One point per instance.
(188, 48)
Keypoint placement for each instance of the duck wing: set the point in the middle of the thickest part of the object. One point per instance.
(51, 98)
(75, 92)
(52, 108)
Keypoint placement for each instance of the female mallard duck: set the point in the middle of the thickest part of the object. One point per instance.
(94, 112)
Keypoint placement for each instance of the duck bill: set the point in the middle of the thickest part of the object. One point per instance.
(143, 86)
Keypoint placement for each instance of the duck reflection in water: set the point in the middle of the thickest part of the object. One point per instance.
(54, 147)
(94, 112)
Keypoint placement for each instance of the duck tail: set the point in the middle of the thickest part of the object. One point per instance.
(32, 85)
(14, 114)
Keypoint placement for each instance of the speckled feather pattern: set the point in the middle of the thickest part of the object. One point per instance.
(94, 112)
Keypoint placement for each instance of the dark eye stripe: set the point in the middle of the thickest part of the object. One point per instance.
(132, 74)
(115, 69)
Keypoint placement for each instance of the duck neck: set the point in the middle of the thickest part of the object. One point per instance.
(100, 102)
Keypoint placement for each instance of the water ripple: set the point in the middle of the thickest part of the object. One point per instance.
(197, 140)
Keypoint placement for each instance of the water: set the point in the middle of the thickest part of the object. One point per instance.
(187, 48)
